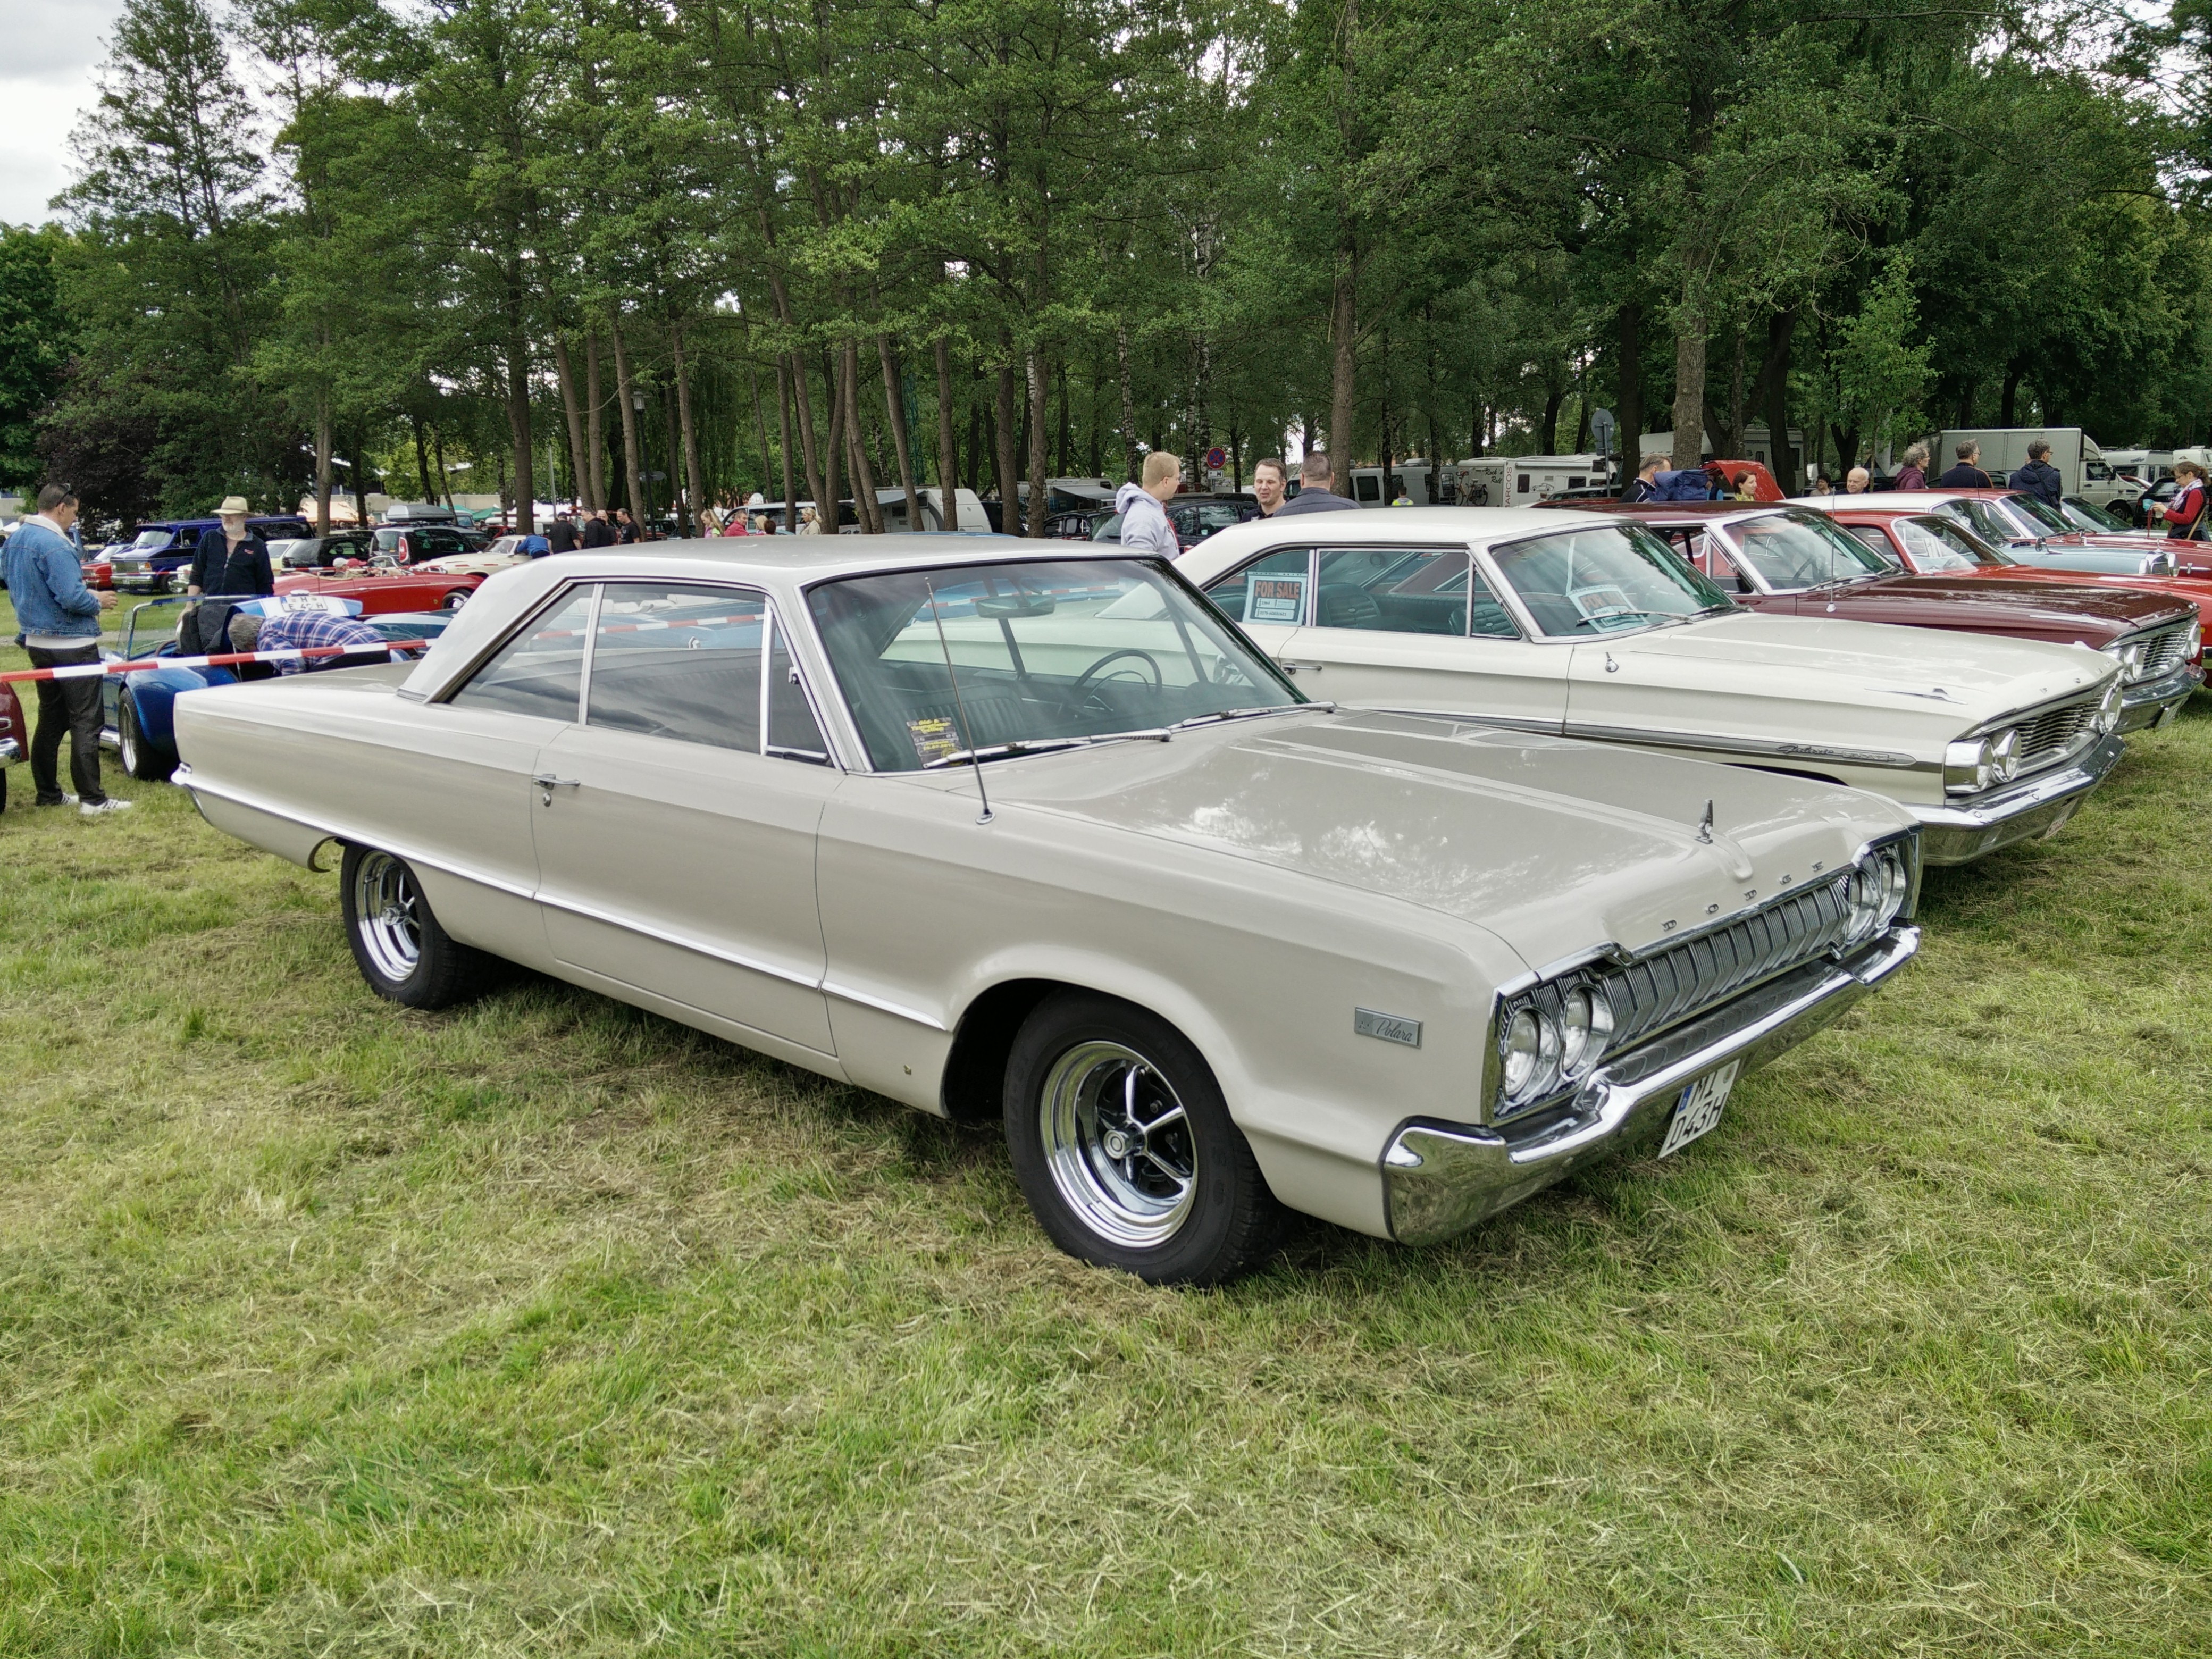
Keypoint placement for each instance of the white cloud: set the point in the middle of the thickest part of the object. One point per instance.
(45, 84)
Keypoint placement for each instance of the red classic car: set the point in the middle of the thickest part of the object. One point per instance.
(384, 587)
(1801, 561)
(2035, 532)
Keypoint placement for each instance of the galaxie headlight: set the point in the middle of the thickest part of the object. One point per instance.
(2108, 711)
(2004, 755)
(2129, 654)
(1968, 766)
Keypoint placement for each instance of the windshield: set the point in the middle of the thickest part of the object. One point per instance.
(1605, 579)
(1983, 518)
(1937, 544)
(1048, 655)
(2081, 516)
(1788, 552)
(2039, 513)
(149, 539)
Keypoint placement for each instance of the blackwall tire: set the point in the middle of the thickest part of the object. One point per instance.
(1125, 1149)
(397, 944)
(139, 759)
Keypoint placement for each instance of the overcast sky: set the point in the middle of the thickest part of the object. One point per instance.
(45, 83)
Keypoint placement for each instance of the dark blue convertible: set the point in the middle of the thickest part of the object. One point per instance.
(136, 708)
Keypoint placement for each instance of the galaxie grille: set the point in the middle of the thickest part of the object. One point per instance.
(2165, 650)
(1686, 979)
(2054, 733)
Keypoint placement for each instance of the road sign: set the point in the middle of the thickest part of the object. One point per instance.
(1216, 459)
(1602, 428)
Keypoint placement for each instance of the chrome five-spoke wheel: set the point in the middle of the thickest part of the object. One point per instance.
(385, 900)
(1119, 1143)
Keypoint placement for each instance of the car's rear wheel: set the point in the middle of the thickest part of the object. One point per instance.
(1125, 1149)
(454, 600)
(140, 759)
(397, 944)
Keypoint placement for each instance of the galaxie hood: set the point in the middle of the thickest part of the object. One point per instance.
(1554, 846)
(1995, 601)
(1849, 685)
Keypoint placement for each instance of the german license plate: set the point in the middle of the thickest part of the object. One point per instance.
(1699, 1108)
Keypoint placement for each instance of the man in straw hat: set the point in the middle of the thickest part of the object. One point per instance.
(232, 561)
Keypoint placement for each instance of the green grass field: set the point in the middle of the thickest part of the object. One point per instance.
(549, 1327)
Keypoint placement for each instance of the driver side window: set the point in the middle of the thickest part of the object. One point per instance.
(1394, 590)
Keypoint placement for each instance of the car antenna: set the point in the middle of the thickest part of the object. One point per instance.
(959, 707)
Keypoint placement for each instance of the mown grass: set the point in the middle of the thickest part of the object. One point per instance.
(547, 1328)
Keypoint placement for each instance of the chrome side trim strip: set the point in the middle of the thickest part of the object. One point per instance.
(414, 855)
(847, 993)
(1806, 751)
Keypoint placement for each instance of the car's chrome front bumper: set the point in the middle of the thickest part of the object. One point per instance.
(2147, 703)
(1439, 1179)
(10, 751)
(1955, 833)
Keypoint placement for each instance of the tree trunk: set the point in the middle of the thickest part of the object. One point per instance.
(323, 461)
(360, 472)
(1342, 317)
(1009, 496)
(633, 449)
(832, 490)
(1128, 400)
(1628, 415)
(578, 468)
(1554, 395)
(422, 458)
(760, 425)
(1690, 378)
(518, 427)
(2006, 404)
(438, 449)
(948, 455)
(894, 408)
(1066, 427)
(595, 428)
(856, 434)
(695, 481)
(1774, 387)
(809, 452)
(783, 432)
(1040, 503)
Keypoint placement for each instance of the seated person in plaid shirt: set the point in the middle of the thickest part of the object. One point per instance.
(292, 631)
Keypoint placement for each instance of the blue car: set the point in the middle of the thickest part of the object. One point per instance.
(164, 547)
(136, 709)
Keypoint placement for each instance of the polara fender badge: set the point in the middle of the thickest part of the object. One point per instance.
(1389, 1028)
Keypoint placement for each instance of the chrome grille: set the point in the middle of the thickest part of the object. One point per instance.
(2165, 650)
(1688, 978)
(2054, 733)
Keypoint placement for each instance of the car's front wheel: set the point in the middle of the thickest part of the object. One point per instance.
(397, 944)
(1125, 1149)
(454, 600)
(140, 759)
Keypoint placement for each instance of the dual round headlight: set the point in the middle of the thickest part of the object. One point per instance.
(1874, 893)
(2108, 712)
(2129, 656)
(1969, 766)
(1549, 1043)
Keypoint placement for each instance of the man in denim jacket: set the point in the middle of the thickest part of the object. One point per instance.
(60, 618)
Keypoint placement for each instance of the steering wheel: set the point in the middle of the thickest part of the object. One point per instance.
(1159, 679)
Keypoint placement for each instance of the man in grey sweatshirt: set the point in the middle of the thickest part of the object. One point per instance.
(1145, 524)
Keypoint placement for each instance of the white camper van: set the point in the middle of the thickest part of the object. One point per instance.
(1518, 480)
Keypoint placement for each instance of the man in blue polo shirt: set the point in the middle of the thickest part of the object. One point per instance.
(61, 630)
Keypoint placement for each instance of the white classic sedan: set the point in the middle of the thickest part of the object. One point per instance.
(1589, 626)
(997, 830)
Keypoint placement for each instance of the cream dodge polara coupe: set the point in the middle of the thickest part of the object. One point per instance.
(993, 829)
(1589, 626)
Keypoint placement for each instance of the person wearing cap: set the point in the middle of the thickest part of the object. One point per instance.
(232, 561)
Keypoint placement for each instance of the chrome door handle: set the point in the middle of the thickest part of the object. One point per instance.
(547, 783)
(1290, 667)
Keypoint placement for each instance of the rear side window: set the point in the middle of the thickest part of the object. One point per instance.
(541, 670)
(1272, 589)
(680, 662)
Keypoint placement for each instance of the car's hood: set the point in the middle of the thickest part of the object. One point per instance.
(467, 564)
(1859, 664)
(1990, 597)
(1545, 842)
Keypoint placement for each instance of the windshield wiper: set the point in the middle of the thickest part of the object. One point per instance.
(1039, 745)
(1249, 714)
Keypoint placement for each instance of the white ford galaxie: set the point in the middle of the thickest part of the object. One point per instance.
(996, 830)
(1589, 626)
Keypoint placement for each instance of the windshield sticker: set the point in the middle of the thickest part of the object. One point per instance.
(1601, 605)
(1276, 599)
(933, 738)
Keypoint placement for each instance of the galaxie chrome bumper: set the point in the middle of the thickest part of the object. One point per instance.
(1439, 1179)
(2147, 703)
(1958, 832)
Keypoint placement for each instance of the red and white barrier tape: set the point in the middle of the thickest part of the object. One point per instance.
(90, 671)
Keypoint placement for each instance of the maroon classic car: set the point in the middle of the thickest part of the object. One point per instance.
(1796, 560)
